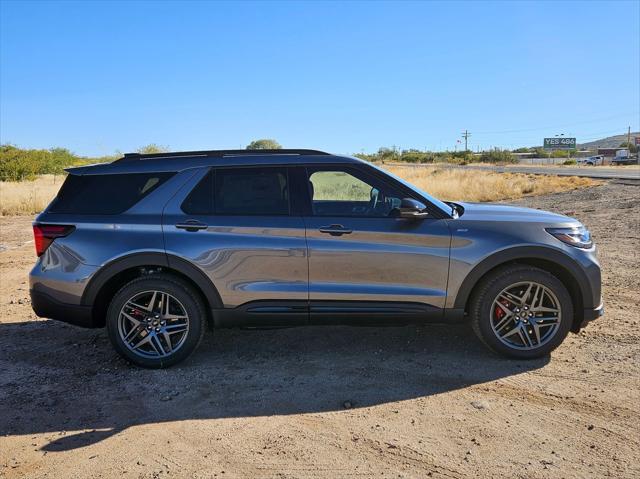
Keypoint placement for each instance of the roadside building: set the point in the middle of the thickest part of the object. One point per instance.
(608, 152)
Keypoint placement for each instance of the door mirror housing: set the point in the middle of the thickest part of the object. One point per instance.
(410, 209)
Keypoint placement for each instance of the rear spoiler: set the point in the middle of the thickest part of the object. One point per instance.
(80, 170)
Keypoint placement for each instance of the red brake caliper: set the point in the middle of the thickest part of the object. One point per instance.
(499, 312)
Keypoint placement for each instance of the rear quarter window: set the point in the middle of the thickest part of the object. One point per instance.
(104, 194)
(200, 200)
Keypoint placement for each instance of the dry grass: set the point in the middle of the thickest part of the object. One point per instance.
(28, 197)
(476, 185)
(31, 197)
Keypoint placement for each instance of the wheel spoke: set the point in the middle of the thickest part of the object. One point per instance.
(132, 305)
(524, 336)
(510, 333)
(142, 342)
(136, 322)
(135, 331)
(536, 330)
(167, 339)
(176, 328)
(501, 325)
(502, 306)
(543, 322)
(157, 301)
(523, 298)
(542, 309)
(534, 297)
(156, 344)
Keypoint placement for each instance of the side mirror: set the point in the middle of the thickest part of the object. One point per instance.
(410, 209)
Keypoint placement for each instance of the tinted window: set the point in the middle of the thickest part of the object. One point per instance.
(252, 191)
(200, 200)
(104, 194)
(336, 192)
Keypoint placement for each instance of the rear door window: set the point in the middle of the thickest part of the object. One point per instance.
(104, 194)
(252, 191)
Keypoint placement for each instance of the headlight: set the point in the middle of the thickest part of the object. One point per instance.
(578, 236)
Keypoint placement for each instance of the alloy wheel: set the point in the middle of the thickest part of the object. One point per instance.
(153, 324)
(525, 315)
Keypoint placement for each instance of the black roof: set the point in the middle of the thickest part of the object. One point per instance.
(182, 160)
(218, 154)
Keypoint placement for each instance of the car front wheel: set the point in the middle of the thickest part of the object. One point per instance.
(156, 321)
(521, 312)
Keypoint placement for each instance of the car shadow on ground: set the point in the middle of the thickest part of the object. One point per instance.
(58, 378)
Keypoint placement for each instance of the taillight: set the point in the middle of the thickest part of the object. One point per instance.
(45, 234)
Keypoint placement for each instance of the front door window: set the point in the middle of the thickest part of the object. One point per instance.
(336, 192)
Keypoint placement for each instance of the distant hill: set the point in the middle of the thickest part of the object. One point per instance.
(608, 142)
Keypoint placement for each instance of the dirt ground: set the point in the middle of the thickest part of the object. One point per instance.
(425, 401)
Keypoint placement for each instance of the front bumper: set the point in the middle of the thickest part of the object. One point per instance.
(46, 306)
(590, 314)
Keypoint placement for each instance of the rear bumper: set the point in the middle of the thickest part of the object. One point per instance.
(47, 307)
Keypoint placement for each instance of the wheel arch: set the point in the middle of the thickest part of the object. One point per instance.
(559, 264)
(111, 277)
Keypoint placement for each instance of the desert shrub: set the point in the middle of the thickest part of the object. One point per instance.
(390, 155)
(417, 156)
(497, 156)
(569, 162)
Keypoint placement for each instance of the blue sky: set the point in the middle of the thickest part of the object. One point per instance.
(345, 77)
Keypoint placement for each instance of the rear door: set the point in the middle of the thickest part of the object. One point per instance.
(362, 260)
(236, 225)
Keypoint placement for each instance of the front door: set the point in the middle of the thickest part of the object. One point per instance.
(362, 259)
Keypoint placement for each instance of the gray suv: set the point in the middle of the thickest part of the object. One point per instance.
(157, 246)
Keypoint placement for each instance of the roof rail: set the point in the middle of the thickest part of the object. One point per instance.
(217, 154)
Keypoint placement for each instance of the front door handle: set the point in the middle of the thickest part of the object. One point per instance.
(335, 230)
(192, 225)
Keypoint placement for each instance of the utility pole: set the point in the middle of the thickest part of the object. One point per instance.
(465, 135)
(629, 139)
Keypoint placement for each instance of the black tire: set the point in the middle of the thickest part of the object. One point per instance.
(188, 299)
(482, 304)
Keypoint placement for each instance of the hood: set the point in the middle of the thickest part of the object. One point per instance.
(494, 212)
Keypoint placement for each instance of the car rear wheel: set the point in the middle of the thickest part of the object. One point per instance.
(521, 312)
(156, 321)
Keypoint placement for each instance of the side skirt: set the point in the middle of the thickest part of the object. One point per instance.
(282, 314)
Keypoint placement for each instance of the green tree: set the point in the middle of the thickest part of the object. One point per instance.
(153, 148)
(18, 164)
(264, 144)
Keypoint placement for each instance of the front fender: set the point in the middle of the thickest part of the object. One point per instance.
(587, 279)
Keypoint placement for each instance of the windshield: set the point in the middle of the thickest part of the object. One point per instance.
(435, 201)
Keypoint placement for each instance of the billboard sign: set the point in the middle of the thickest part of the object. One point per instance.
(560, 143)
(637, 140)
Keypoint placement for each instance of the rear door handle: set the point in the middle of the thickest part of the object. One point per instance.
(335, 230)
(192, 225)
